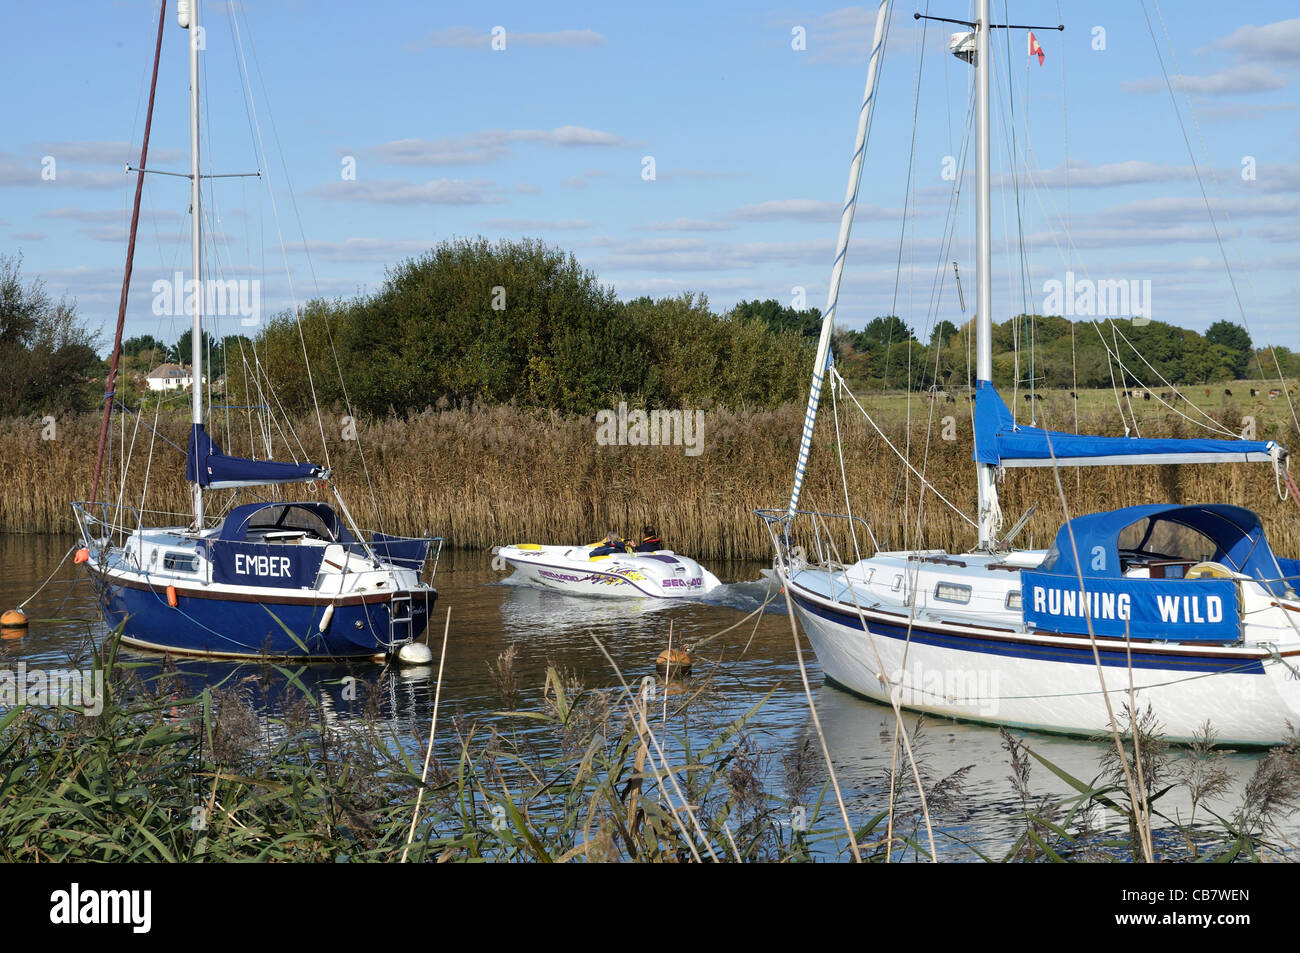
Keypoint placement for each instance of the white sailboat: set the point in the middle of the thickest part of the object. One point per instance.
(1184, 608)
(269, 578)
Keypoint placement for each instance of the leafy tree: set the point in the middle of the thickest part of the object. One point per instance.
(1237, 341)
(141, 344)
(943, 332)
(778, 318)
(47, 353)
(882, 333)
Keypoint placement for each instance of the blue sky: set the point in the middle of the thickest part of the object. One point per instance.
(750, 140)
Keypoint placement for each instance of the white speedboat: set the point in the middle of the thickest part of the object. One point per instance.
(659, 575)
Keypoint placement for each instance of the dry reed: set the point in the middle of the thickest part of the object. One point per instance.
(488, 475)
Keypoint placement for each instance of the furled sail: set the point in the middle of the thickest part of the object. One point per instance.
(1001, 442)
(207, 466)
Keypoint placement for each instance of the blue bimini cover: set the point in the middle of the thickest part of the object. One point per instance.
(1001, 442)
(207, 466)
(1082, 575)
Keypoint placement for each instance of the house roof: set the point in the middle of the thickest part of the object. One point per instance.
(164, 371)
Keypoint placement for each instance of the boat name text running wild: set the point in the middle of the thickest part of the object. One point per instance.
(76, 906)
(655, 428)
(59, 688)
(1110, 605)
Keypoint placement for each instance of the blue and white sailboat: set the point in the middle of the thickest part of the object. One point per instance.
(1181, 607)
(270, 579)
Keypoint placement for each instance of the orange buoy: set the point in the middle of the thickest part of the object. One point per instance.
(14, 619)
(171, 597)
(673, 662)
(83, 555)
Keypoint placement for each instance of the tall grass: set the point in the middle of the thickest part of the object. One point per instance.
(580, 774)
(563, 773)
(488, 475)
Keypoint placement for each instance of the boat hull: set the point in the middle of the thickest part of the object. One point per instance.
(241, 625)
(663, 575)
(1051, 684)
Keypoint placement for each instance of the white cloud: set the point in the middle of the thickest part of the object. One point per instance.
(1278, 41)
(811, 210)
(486, 146)
(473, 38)
(1130, 236)
(688, 225)
(1245, 78)
(1083, 175)
(104, 152)
(802, 210)
(365, 249)
(538, 225)
(399, 191)
(1243, 112)
(1166, 210)
(1278, 232)
(697, 254)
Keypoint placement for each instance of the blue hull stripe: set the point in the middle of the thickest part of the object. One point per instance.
(1038, 652)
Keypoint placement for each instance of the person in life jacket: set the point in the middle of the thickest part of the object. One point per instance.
(612, 544)
(650, 542)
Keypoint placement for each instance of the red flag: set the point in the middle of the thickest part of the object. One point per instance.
(1035, 49)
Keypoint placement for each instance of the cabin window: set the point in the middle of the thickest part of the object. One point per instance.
(952, 592)
(898, 583)
(1015, 600)
(180, 562)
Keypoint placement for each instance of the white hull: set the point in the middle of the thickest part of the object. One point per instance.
(570, 569)
(994, 671)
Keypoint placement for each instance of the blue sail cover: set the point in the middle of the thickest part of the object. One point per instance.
(207, 466)
(1001, 442)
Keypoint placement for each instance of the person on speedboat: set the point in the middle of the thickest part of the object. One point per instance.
(612, 544)
(650, 541)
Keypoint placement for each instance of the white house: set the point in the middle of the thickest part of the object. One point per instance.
(170, 377)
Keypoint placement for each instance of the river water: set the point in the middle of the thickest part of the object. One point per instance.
(489, 614)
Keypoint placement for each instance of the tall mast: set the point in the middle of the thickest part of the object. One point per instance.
(187, 14)
(990, 515)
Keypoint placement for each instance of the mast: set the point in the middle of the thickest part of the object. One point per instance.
(110, 385)
(990, 514)
(187, 15)
(822, 362)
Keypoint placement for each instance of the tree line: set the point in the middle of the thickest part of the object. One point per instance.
(522, 322)
(1057, 353)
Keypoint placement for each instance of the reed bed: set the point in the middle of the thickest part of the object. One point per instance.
(563, 773)
(487, 475)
